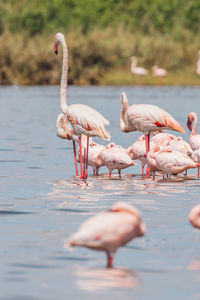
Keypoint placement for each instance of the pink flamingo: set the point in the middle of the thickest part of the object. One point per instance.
(146, 118)
(107, 231)
(159, 72)
(194, 137)
(115, 157)
(139, 71)
(173, 162)
(198, 64)
(84, 119)
(66, 131)
(194, 216)
(138, 151)
(93, 156)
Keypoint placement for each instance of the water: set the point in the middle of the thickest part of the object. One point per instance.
(41, 204)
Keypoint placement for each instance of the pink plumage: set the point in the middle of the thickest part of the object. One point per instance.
(194, 216)
(107, 231)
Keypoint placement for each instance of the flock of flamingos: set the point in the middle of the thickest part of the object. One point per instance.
(164, 153)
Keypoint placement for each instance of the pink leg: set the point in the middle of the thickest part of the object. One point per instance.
(86, 163)
(142, 170)
(75, 160)
(198, 172)
(119, 172)
(81, 158)
(94, 172)
(109, 261)
(110, 175)
(147, 142)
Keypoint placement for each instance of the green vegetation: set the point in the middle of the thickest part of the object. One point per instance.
(102, 35)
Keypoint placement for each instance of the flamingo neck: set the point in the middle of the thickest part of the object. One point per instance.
(63, 83)
(123, 119)
(194, 129)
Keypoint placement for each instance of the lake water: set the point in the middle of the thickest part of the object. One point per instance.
(41, 204)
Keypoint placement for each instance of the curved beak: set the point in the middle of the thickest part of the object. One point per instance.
(189, 125)
(55, 48)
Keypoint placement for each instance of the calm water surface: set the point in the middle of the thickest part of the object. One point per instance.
(41, 204)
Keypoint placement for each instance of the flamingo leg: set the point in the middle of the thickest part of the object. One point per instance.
(86, 162)
(119, 172)
(142, 170)
(75, 160)
(147, 142)
(109, 260)
(198, 172)
(109, 175)
(81, 158)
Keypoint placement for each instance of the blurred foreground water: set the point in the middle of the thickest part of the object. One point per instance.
(41, 204)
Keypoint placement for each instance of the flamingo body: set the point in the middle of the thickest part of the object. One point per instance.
(115, 157)
(194, 216)
(107, 231)
(159, 72)
(173, 162)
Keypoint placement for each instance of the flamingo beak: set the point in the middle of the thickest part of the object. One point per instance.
(55, 48)
(189, 125)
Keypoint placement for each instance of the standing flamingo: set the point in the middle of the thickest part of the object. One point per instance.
(194, 216)
(83, 118)
(139, 71)
(115, 157)
(146, 118)
(107, 231)
(194, 137)
(66, 131)
(159, 72)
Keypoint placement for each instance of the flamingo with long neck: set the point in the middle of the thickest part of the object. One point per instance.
(146, 118)
(83, 118)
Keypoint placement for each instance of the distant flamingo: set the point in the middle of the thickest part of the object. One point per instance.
(83, 118)
(198, 64)
(146, 118)
(66, 131)
(139, 71)
(194, 216)
(159, 72)
(107, 231)
(173, 162)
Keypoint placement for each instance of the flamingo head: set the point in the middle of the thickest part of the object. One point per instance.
(124, 99)
(191, 117)
(189, 124)
(59, 36)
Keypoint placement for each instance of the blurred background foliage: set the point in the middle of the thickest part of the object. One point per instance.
(102, 35)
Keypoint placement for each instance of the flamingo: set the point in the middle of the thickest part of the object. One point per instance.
(194, 137)
(139, 71)
(194, 216)
(198, 64)
(107, 231)
(146, 118)
(173, 162)
(159, 72)
(115, 157)
(93, 156)
(138, 151)
(66, 131)
(84, 119)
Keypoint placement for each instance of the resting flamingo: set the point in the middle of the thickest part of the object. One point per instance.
(159, 72)
(146, 118)
(115, 157)
(139, 71)
(194, 216)
(84, 119)
(107, 231)
(173, 162)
